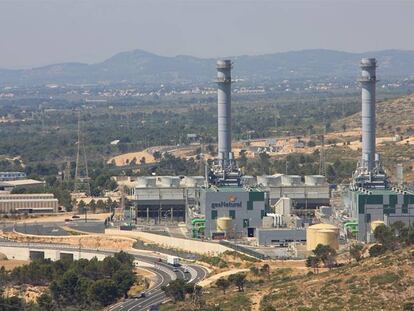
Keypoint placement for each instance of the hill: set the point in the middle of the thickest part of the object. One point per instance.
(147, 68)
(395, 116)
(379, 283)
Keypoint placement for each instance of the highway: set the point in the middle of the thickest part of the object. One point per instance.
(164, 272)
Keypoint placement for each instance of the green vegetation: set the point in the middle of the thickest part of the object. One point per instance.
(385, 278)
(324, 254)
(391, 238)
(82, 284)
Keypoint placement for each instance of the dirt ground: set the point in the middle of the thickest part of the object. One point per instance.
(210, 280)
(10, 264)
(28, 293)
(124, 159)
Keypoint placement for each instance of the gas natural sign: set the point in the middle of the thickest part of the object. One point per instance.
(232, 202)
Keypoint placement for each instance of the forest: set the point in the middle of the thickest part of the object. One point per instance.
(72, 285)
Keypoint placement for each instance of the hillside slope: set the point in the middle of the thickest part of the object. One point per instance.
(143, 67)
(395, 116)
(383, 283)
(380, 283)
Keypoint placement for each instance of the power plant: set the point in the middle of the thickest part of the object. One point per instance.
(369, 173)
(225, 171)
(225, 204)
(225, 155)
(372, 199)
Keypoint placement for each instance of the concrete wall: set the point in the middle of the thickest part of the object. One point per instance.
(23, 253)
(91, 240)
(193, 246)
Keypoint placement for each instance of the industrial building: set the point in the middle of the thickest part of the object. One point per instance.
(280, 236)
(28, 203)
(224, 204)
(5, 176)
(308, 192)
(9, 185)
(165, 197)
(385, 205)
(371, 199)
(240, 209)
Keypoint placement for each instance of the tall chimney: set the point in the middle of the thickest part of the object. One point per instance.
(368, 81)
(224, 111)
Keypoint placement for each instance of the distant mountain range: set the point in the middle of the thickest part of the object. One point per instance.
(146, 68)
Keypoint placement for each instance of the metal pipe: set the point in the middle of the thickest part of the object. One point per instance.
(224, 110)
(368, 83)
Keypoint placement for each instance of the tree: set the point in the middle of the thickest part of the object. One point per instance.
(197, 296)
(377, 250)
(124, 280)
(177, 289)
(223, 284)
(265, 269)
(104, 291)
(157, 155)
(81, 206)
(45, 302)
(254, 270)
(238, 279)
(355, 250)
(92, 206)
(326, 254)
(313, 262)
(385, 236)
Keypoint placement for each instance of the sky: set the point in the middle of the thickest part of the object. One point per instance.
(41, 32)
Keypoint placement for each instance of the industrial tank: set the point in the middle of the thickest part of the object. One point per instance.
(224, 224)
(324, 234)
(328, 237)
(375, 224)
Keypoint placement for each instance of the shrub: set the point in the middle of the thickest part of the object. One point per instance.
(385, 278)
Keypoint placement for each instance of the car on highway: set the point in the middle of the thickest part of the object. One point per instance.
(154, 308)
(139, 295)
(175, 270)
(68, 220)
(75, 216)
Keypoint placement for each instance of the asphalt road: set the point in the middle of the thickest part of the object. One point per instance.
(55, 229)
(155, 295)
(164, 272)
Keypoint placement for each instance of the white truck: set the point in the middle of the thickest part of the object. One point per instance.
(173, 261)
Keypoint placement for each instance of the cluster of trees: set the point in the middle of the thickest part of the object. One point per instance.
(297, 164)
(391, 237)
(171, 165)
(99, 205)
(238, 279)
(82, 284)
(322, 254)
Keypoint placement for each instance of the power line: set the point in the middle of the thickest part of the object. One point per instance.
(81, 170)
